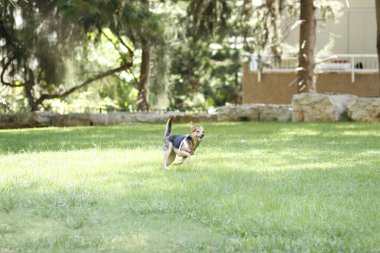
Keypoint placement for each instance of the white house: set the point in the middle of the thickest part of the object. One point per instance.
(352, 66)
(354, 32)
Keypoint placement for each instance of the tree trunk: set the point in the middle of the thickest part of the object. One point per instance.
(378, 32)
(33, 106)
(306, 60)
(28, 88)
(142, 103)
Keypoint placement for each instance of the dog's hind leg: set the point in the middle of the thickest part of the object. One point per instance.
(169, 156)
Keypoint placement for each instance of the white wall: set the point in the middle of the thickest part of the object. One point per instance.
(353, 33)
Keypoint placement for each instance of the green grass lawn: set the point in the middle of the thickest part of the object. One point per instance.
(250, 187)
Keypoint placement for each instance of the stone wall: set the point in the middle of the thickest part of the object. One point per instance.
(334, 107)
(305, 107)
(364, 109)
(258, 112)
(254, 112)
(46, 119)
(320, 107)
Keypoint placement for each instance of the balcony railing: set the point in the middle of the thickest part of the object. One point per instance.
(342, 63)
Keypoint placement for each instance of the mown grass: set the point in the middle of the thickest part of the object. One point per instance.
(251, 187)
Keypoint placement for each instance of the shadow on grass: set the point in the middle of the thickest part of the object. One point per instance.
(224, 136)
(78, 138)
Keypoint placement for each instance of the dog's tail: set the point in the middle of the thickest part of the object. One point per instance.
(168, 128)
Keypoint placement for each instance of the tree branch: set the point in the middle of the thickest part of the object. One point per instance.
(85, 83)
(130, 51)
(125, 44)
(6, 65)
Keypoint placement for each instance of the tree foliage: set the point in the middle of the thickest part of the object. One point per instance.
(159, 53)
(40, 37)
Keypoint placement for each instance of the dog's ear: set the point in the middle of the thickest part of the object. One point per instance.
(192, 127)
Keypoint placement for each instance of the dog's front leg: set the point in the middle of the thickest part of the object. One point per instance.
(185, 155)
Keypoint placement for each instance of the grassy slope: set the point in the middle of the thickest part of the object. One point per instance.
(249, 187)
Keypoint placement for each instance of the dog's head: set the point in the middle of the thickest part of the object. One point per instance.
(197, 132)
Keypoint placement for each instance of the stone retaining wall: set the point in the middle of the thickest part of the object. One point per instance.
(254, 112)
(332, 107)
(364, 109)
(320, 107)
(46, 119)
(305, 107)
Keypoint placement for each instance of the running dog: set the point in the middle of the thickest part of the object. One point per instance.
(182, 145)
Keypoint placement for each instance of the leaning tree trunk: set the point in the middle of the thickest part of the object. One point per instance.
(306, 60)
(378, 32)
(142, 103)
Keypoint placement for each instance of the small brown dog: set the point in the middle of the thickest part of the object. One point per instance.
(182, 145)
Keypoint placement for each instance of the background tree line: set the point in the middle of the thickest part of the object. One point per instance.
(142, 54)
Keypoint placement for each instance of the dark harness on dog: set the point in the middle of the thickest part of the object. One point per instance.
(178, 140)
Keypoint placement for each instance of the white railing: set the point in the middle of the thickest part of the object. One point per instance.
(346, 63)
